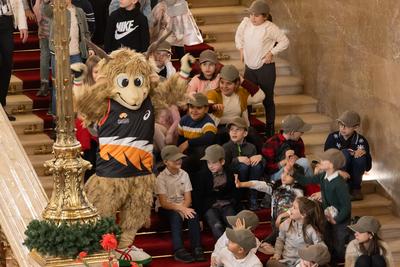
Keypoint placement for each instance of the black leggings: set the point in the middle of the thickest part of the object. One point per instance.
(265, 77)
(370, 261)
(6, 52)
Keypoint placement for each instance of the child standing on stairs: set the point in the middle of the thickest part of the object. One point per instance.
(259, 40)
(173, 189)
(354, 147)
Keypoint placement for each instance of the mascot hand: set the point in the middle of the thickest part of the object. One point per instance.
(186, 65)
(79, 70)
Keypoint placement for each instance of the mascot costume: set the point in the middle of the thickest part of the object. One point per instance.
(121, 105)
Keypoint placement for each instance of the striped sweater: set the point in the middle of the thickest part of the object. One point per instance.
(198, 133)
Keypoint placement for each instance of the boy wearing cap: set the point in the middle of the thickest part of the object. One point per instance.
(218, 191)
(335, 196)
(258, 41)
(238, 252)
(242, 156)
(354, 147)
(367, 249)
(284, 145)
(173, 189)
(162, 57)
(314, 256)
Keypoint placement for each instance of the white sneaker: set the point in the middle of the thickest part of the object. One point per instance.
(132, 254)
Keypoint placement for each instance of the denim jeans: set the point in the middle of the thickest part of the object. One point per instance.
(356, 168)
(6, 53)
(175, 221)
(247, 173)
(303, 162)
(44, 59)
(72, 59)
(216, 219)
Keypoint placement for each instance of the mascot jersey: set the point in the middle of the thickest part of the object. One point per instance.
(126, 141)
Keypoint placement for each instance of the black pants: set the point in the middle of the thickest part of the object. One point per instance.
(370, 261)
(6, 51)
(265, 77)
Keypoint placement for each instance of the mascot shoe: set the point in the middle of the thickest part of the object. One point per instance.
(132, 254)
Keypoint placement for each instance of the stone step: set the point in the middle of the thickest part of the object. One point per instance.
(283, 67)
(15, 85)
(38, 161)
(394, 246)
(18, 104)
(373, 205)
(35, 144)
(27, 124)
(288, 85)
(369, 187)
(221, 32)
(320, 123)
(218, 15)
(314, 142)
(212, 3)
(390, 226)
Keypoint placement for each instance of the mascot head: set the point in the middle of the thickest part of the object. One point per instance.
(127, 77)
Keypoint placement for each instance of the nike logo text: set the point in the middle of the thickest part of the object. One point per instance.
(124, 28)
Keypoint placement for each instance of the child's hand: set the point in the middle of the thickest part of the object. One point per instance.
(29, 15)
(238, 183)
(239, 224)
(219, 107)
(359, 153)
(266, 248)
(344, 174)
(254, 160)
(188, 213)
(267, 58)
(244, 160)
(91, 52)
(182, 147)
(281, 217)
(317, 168)
(330, 219)
(276, 257)
(317, 196)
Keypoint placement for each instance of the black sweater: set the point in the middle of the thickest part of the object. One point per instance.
(127, 29)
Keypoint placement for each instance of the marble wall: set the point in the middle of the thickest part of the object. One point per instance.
(349, 55)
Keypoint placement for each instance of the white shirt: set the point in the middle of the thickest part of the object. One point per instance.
(174, 186)
(74, 33)
(332, 176)
(227, 259)
(257, 41)
(232, 108)
(222, 242)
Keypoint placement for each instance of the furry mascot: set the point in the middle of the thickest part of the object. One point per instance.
(122, 104)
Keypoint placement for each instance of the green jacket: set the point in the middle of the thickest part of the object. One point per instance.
(82, 25)
(334, 193)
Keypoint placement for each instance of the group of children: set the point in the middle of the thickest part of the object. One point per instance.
(213, 158)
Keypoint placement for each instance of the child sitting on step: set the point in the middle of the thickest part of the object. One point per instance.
(282, 193)
(354, 147)
(173, 189)
(304, 227)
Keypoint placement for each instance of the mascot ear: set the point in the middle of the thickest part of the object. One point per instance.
(100, 52)
(154, 45)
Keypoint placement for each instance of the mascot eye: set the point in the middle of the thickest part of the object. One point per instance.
(138, 81)
(122, 81)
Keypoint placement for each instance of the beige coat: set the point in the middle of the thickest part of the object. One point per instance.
(353, 252)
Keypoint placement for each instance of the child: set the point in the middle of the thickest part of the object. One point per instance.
(242, 156)
(245, 219)
(173, 189)
(354, 147)
(162, 57)
(283, 193)
(335, 196)
(367, 249)
(218, 193)
(314, 256)
(259, 40)
(305, 226)
(166, 127)
(208, 78)
(127, 27)
(196, 131)
(285, 144)
(79, 32)
(238, 252)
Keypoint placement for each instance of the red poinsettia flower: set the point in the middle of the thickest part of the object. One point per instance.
(134, 264)
(82, 255)
(109, 242)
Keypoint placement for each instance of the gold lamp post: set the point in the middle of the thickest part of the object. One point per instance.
(68, 201)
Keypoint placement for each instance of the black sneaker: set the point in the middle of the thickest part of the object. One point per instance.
(11, 117)
(356, 195)
(198, 254)
(183, 256)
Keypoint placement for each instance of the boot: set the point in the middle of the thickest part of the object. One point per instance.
(44, 89)
(356, 195)
(269, 130)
